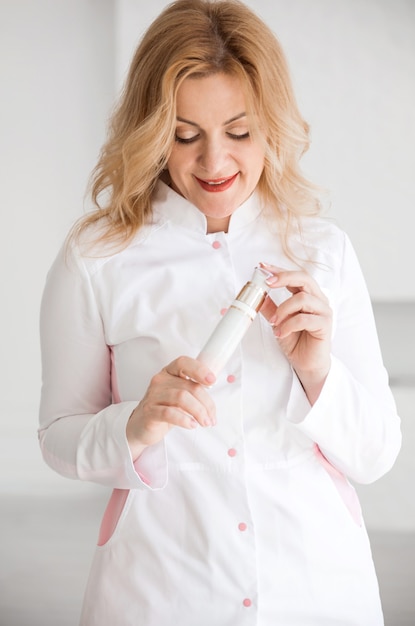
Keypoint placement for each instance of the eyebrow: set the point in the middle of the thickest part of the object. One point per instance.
(233, 119)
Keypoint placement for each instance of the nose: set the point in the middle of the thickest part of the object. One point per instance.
(212, 157)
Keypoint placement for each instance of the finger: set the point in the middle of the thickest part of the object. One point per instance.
(196, 404)
(190, 397)
(170, 404)
(301, 302)
(316, 325)
(294, 281)
(268, 309)
(170, 416)
(204, 399)
(273, 269)
(191, 369)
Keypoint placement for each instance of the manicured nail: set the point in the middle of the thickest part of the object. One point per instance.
(272, 281)
(210, 378)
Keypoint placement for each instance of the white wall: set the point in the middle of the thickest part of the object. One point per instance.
(57, 85)
(61, 63)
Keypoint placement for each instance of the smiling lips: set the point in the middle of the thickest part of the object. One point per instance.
(218, 184)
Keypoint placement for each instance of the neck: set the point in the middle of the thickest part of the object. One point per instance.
(217, 224)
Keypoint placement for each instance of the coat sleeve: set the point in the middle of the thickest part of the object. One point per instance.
(354, 421)
(82, 431)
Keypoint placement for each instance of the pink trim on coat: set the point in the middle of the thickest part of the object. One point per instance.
(345, 489)
(118, 497)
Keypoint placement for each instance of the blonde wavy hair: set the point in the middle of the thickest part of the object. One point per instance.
(197, 38)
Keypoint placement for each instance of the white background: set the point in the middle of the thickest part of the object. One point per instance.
(62, 63)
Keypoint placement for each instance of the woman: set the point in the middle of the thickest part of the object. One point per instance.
(231, 503)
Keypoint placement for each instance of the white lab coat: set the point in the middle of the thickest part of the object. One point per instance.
(251, 522)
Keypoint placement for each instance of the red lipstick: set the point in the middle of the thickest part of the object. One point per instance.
(217, 184)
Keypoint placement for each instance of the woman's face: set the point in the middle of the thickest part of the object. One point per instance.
(215, 164)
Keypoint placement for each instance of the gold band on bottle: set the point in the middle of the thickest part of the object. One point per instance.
(252, 295)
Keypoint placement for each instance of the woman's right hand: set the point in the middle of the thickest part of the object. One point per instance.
(176, 396)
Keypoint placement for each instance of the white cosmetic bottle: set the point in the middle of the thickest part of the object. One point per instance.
(236, 321)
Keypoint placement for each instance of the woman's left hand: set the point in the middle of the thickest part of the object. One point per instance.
(302, 324)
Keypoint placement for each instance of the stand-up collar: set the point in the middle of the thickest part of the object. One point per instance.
(168, 205)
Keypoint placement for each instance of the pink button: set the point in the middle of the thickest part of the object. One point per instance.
(216, 245)
(223, 311)
(247, 602)
(231, 378)
(232, 452)
(242, 526)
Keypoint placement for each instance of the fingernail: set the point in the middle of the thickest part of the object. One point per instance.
(210, 378)
(271, 281)
(189, 378)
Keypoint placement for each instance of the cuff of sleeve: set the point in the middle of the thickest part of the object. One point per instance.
(104, 455)
(151, 466)
(357, 433)
(298, 406)
(316, 421)
(149, 471)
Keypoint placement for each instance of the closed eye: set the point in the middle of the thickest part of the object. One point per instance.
(238, 137)
(186, 139)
